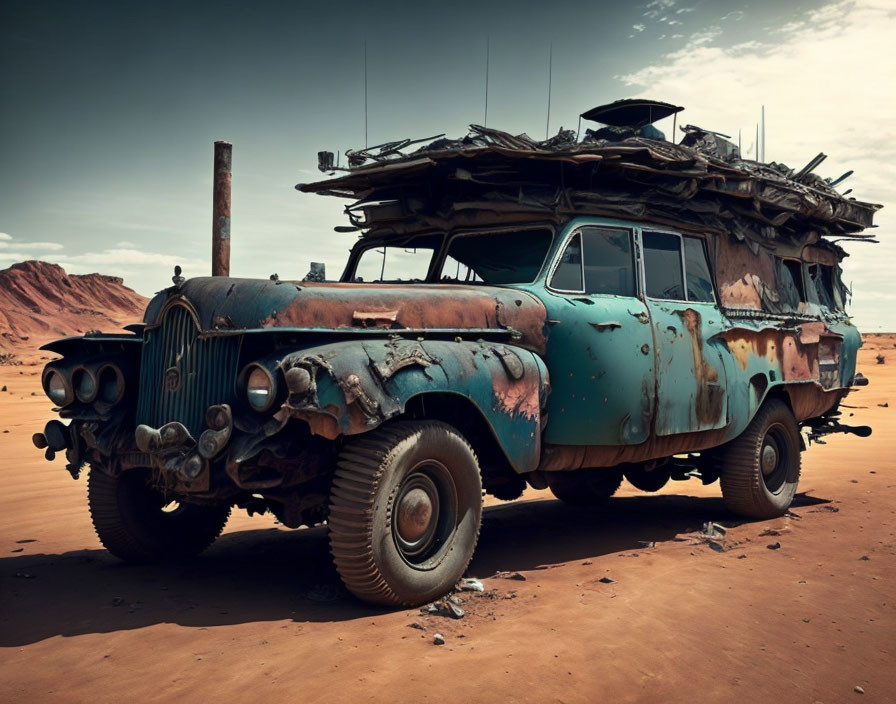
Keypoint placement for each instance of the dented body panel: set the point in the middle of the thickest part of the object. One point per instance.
(358, 386)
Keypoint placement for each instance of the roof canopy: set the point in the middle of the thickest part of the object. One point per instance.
(633, 112)
(490, 175)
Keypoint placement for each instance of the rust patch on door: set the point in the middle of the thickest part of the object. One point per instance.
(710, 395)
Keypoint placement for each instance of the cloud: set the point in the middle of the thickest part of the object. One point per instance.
(11, 257)
(657, 10)
(7, 241)
(33, 246)
(827, 86)
(639, 27)
(124, 257)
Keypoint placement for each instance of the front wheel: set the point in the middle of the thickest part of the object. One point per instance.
(760, 469)
(138, 524)
(405, 511)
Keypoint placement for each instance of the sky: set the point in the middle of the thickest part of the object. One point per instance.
(109, 110)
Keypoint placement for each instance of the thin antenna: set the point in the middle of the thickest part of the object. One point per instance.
(674, 126)
(547, 126)
(763, 133)
(487, 52)
(365, 106)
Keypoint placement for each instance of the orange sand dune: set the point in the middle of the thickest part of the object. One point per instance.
(39, 301)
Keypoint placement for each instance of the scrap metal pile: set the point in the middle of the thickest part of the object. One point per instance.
(489, 175)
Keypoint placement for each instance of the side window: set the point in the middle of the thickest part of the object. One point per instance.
(696, 267)
(822, 278)
(609, 266)
(662, 266)
(791, 275)
(568, 274)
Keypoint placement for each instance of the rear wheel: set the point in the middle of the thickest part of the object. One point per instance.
(760, 469)
(138, 524)
(585, 487)
(405, 511)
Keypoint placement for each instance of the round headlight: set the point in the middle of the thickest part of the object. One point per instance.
(110, 384)
(259, 388)
(57, 388)
(84, 384)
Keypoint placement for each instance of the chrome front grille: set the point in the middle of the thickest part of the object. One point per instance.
(181, 374)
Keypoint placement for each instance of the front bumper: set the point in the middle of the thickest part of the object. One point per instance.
(173, 450)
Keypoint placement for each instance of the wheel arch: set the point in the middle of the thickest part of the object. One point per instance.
(460, 412)
(349, 388)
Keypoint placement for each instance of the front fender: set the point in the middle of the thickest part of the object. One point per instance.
(346, 388)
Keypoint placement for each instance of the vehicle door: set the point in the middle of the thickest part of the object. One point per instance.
(600, 347)
(691, 394)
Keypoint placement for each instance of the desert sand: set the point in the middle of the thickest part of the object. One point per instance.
(261, 616)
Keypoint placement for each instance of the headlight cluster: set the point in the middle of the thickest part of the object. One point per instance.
(57, 387)
(260, 387)
(103, 383)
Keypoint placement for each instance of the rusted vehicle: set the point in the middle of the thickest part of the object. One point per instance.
(560, 314)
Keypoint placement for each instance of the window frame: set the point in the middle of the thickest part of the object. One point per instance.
(684, 280)
(578, 231)
(709, 267)
(684, 272)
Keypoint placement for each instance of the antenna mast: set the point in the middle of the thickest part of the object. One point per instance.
(365, 98)
(547, 126)
(763, 133)
(487, 51)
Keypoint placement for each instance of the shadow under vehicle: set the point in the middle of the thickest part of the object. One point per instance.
(560, 314)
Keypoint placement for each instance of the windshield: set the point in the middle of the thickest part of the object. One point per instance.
(490, 258)
(496, 257)
(407, 262)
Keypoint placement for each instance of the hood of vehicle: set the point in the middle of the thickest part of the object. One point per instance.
(224, 304)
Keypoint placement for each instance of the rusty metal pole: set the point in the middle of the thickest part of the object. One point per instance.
(221, 210)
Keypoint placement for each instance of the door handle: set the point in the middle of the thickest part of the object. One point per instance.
(608, 325)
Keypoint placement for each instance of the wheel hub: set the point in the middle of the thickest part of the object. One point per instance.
(769, 458)
(416, 515)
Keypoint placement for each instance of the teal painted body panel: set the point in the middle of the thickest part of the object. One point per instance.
(360, 385)
(691, 377)
(600, 353)
(852, 341)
